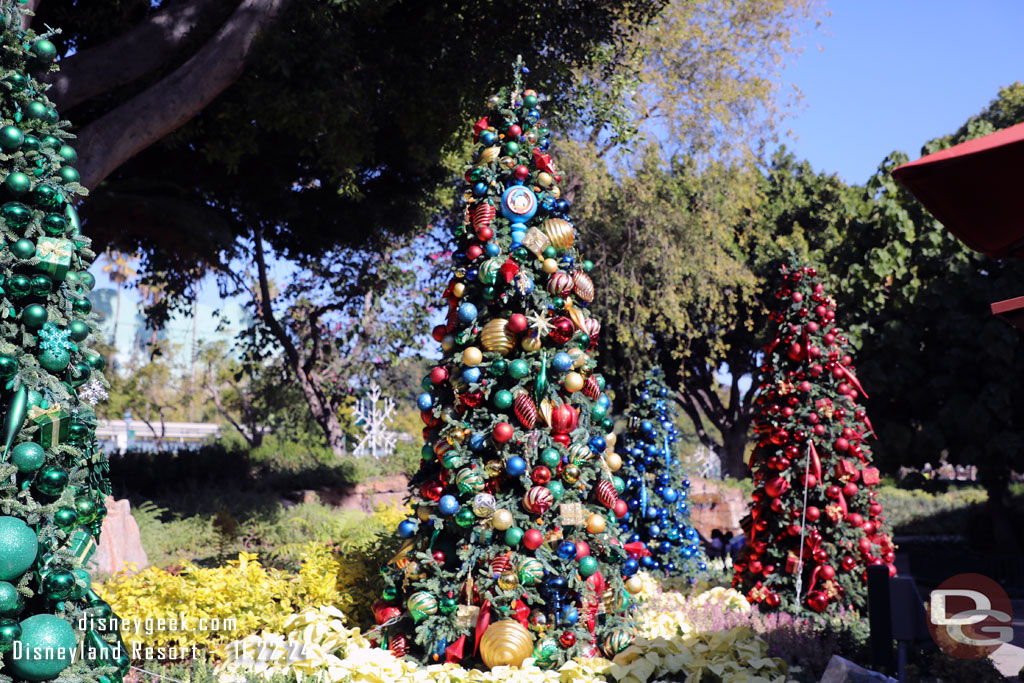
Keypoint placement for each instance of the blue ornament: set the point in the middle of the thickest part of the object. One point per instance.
(518, 236)
(518, 204)
(630, 567)
(467, 312)
(646, 426)
(664, 547)
(562, 206)
(488, 138)
(569, 615)
(598, 444)
(425, 401)
(479, 189)
(515, 466)
(492, 249)
(648, 562)
(406, 528)
(562, 362)
(604, 401)
(568, 260)
(652, 513)
(633, 503)
(654, 531)
(472, 274)
(448, 505)
(544, 145)
(662, 479)
(556, 584)
(670, 567)
(566, 550)
(471, 375)
(532, 116)
(477, 442)
(669, 495)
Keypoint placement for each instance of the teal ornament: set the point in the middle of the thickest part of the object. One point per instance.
(540, 384)
(19, 285)
(34, 316)
(68, 153)
(11, 138)
(74, 221)
(16, 215)
(587, 566)
(83, 584)
(41, 286)
(55, 360)
(18, 183)
(52, 116)
(54, 224)
(518, 204)
(88, 281)
(79, 330)
(66, 518)
(52, 142)
(17, 411)
(11, 602)
(53, 338)
(48, 197)
(28, 456)
(51, 481)
(17, 82)
(10, 631)
(95, 361)
(24, 249)
(49, 644)
(44, 51)
(79, 374)
(68, 175)
(18, 548)
(36, 110)
(8, 366)
(59, 584)
(82, 306)
(31, 143)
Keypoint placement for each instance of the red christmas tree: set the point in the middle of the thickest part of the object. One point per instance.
(814, 524)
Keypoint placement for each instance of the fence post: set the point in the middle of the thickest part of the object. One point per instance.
(880, 618)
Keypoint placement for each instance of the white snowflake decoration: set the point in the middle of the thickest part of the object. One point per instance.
(708, 464)
(92, 392)
(373, 414)
(54, 339)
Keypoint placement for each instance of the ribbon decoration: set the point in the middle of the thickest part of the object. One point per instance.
(803, 519)
(815, 463)
(483, 620)
(47, 247)
(56, 415)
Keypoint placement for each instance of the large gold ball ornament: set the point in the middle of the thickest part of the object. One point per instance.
(634, 585)
(458, 289)
(488, 155)
(505, 643)
(573, 382)
(502, 519)
(596, 524)
(472, 356)
(544, 179)
(507, 580)
(495, 336)
(571, 474)
(423, 512)
(549, 266)
(559, 231)
(614, 461)
(531, 342)
(555, 191)
(448, 342)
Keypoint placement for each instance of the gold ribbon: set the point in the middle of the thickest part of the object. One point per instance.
(35, 413)
(48, 246)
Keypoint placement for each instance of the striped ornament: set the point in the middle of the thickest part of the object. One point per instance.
(530, 571)
(482, 215)
(525, 410)
(605, 493)
(617, 641)
(538, 500)
(583, 286)
(469, 480)
(591, 388)
(560, 284)
(501, 564)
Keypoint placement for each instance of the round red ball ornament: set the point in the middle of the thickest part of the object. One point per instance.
(439, 374)
(503, 432)
(517, 323)
(567, 639)
(533, 539)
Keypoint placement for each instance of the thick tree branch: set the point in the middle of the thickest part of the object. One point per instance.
(135, 53)
(117, 136)
(689, 406)
(26, 20)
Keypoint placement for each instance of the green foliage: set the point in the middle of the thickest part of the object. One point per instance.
(918, 512)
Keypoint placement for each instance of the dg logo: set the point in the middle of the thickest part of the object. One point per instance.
(970, 616)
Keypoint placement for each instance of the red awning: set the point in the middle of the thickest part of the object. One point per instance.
(976, 190)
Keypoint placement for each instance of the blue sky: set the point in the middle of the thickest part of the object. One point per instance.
(894, 74)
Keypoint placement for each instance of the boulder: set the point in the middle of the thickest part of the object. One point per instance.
(120, 546)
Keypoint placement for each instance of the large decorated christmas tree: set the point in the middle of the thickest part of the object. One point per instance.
(514, 550)
(814, 524)
(52, 474)
(656, 485)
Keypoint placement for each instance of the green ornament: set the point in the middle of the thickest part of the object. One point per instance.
(11, 138)
(489, 293)
(18, 183)
(583, 339)
(58, 585)
(597, 412)
(19, 285)
(619, 484)
(95, 361)
(10, 631)
(17, 82)
(11, 602)
(28, 456)
(426, 384)
(76, 226)
(17, 411)
(511, 148)
(51, 480)
(34, 316)
(513, 535)
(587, 566)
(530, 101)
(520, 254)
(451, 460)
(86, 509)
(502, 399)
(36, 110)
(558, 303)
(448, 606)
(41, 286)
(48, 197)
(476, 174)
(44, 50)
(88, 281)
(82, 306)
(8, 366)
(540, 384)
(421, 604)
(518, 369)
(549, 457)
(389, 593)
(18, 548)
(498, 367)
(600, 382)
(83, 583)
(54, 224)
(68, 175)
(24, 249)
(556, 488)
(52, 142)
(608, 425)
(66, 518)
(427, 453)
(16, 215)
(550, 252)
(52, 116)
(49, 646)
(31, 144)
(79, 330)
(588, 266)
(78, 432)
(465, 517)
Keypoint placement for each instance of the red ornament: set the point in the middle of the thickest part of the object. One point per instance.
(540, 475)
(832, 491)
(562, 328)
(795, 352)
(772, 600)
(538, 500)
(438, 556)
(842, 444)
(850, 490)
(582, 549)
(563, 419)
(485, 234)
(525, 410)
(521, 172)
(474, 252)
(503, 432)
(560, 284)
(776, 486)
(813, 513)
(826, 572)
(382, 612)
(620, 509)
(817, 601)
(533, 539)
(439, 374)
(777, 505)
(875, 509)
(514, 131)
(399, 645)
(429, 419)
(500, 564)
(755, 567)
(567, 639)
(605, 494)
(479, 127)
(432, 490)
(543, 161)
(591, 388)
(438, 332)
(517, 323)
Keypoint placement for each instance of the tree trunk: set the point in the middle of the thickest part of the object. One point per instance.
(733, 450)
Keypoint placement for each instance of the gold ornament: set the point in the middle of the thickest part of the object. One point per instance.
(507, 162)
(423, 512)
(531, 342)
(458, 289)
(401, 559)
(505, 643)
(573, 382)
(488, 155)
(544, 411)
(583, 286)
(508, 580)
(545, 179)
(536, 241)
(556, 191)
(465, 616)
(502, 519)
(596, 523)
(614, 461)
(494, 468)
(448, 342)
(634, 585)
(609, 440)
(495, 336)
(559, 231)
(571, 474)
(550, 266)
(472, 356)
(578, 317)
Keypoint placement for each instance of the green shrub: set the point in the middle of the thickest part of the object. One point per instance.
(919, 512)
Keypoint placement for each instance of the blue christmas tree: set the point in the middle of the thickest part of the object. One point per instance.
(656, 486)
